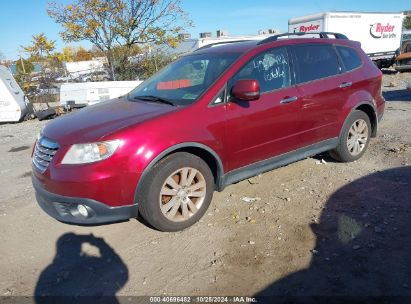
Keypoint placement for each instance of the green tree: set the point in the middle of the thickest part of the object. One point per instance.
(123, 58)
(40, 47)
(24, 66)
(23, 70)
(116, 23)
(407, 22)
(40, 50)
(151, 63)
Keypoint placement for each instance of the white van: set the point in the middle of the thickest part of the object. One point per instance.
(13, 105)
(88, 93)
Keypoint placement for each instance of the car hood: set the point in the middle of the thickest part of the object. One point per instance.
(93, 123)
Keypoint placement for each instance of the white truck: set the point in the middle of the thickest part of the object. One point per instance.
(379, 33)
(13, 103)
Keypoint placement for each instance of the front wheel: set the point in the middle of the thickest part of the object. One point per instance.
(354, 138)
(176, 192)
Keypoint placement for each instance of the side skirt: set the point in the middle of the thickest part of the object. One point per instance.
(275, 162)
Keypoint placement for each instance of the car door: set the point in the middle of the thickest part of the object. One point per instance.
(269, 126)
(324, 89)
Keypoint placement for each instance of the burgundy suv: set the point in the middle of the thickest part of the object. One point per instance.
(216, 116)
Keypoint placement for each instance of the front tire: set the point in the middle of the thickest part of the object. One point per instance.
(176, 192)
(354, 138)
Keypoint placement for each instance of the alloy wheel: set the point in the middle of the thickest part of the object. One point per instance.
(357, 137)
(182, 194)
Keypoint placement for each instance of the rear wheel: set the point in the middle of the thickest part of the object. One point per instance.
(176, 192)
(354, 138)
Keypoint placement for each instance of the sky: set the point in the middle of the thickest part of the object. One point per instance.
(20, 19)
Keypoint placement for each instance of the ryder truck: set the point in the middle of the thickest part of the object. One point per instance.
(379, 33)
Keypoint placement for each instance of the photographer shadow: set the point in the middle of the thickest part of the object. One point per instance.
(363, 246)
(85, 270)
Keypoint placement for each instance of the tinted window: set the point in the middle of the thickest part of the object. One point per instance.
(315, 62)
(349, 57)
(270, 68)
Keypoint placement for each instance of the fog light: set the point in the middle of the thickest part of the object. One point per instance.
(82, 210)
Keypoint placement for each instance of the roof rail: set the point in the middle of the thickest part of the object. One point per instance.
(321, 34)
(217, 43)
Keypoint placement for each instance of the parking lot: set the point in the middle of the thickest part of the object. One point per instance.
(315, 227)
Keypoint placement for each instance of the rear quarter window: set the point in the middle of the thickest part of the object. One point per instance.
(349, 57)
(314, 62)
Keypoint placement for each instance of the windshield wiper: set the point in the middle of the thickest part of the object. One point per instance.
(152, 98)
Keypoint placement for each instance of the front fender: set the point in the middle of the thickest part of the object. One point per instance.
(220, 168)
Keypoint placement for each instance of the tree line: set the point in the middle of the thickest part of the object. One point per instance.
(125, 32)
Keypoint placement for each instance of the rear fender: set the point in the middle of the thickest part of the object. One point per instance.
(360, 100)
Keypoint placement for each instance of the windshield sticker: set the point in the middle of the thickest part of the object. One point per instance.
(174, 84)
(189, 96)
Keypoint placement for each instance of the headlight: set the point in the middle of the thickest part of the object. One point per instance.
(89, 153)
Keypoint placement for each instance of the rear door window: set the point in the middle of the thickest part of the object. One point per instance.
(314, 62)
(349, 57)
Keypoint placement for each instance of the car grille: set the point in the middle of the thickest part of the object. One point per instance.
(44, 151)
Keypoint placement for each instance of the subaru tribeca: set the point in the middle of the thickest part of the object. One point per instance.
(216, 116)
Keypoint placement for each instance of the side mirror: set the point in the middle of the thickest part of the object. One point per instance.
(246, 90)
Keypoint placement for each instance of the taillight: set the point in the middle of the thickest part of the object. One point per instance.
(380, 81)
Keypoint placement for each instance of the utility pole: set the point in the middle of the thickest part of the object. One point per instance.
(22, 64)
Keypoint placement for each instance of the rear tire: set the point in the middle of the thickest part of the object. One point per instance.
(176, 192)
(354, 138)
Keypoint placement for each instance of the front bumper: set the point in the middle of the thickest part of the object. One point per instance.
(64, 209)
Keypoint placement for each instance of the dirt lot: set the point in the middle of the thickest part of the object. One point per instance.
(315, 228)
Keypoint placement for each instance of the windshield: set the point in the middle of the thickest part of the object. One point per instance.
(185, 80)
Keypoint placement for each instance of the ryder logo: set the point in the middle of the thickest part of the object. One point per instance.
(309, 28)
(378, 30)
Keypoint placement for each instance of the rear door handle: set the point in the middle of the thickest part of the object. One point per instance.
(345, 85)
(289, 99)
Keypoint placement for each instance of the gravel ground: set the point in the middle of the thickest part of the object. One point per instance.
(315, 227)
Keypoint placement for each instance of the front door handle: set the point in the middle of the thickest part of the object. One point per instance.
(345, 85)
(289, 99)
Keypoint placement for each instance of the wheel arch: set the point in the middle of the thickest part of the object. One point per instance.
(369, 109)
(203, 151)
(364, 101)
